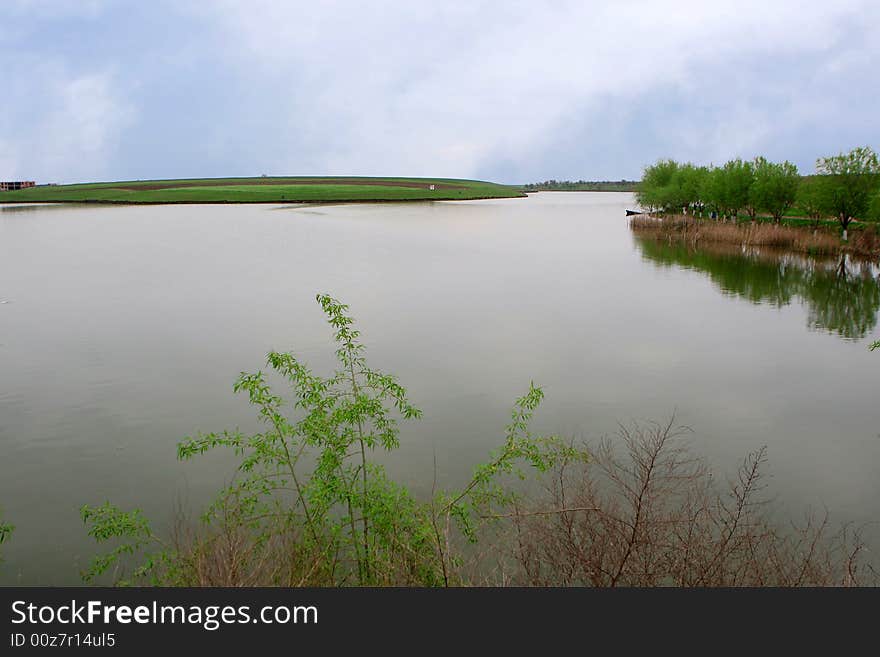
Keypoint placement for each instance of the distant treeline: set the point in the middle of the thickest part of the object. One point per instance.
(845, 187)
(582, 186)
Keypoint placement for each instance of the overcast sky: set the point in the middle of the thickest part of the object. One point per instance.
(505, 91)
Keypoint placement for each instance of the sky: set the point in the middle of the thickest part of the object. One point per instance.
(506, 91)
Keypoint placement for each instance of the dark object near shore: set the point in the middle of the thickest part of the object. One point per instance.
(630, 213)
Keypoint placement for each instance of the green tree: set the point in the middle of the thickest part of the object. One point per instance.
(809, 197)
(726, 189)
(739, 176)
(874, 207)
(688, 181)
(683, 189)
(775, 187)
(669, 186)
(712, 190)
(849, 181)
(654, 190)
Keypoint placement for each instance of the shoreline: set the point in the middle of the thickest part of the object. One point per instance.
(807, 240)
(275, 202)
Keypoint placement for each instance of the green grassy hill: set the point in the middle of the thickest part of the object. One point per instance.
(264, 190)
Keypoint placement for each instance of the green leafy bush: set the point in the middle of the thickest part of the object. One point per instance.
(309, 494)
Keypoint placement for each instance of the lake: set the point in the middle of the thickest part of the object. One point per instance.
(123, 328)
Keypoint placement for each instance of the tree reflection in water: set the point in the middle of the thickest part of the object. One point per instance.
(842, 296)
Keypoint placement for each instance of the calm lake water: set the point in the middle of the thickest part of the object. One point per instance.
(122, 330)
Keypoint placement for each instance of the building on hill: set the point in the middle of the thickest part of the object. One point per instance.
(11, 186)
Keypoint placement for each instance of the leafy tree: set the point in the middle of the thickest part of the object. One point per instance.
(653, 191)
(726, 189)
(688, 181)
(712, 190)
(850, 180)
(678, 194)
(682, 190)
(809, 197)
(874, 207)
(775, 186)
(739, 176)
(669, 186)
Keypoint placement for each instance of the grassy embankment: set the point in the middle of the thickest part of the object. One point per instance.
(264, 190)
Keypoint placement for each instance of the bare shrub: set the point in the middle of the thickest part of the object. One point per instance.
(228, 552)
(647, 512)
(231, 552)
(866, 241)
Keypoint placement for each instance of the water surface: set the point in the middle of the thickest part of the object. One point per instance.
(125, 327)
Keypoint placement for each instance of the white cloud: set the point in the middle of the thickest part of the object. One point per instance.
(451, 88)
(71, 132)
(76, 139)
(442, 88)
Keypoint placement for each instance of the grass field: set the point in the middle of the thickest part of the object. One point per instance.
(264, 190)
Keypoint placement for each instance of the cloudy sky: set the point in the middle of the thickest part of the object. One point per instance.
(506, 91)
